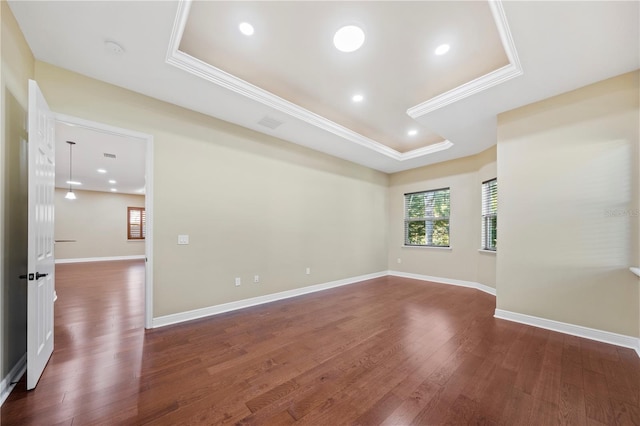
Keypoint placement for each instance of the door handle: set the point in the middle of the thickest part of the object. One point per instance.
(26, 277)
(39, 275)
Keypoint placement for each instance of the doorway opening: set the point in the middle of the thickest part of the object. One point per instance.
(103, 144)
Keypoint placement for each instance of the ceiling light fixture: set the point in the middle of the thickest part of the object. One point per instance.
(348, 39)
(357, 98)
(70, 195)
(442, 49)
(412, 132)
(114, 190)
(111, 181)
(101, 171)
(246, 28)
(74, 182)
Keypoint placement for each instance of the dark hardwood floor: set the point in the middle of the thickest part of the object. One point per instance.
(389, 351)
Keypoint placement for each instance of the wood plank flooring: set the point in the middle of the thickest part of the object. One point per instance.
(390, 351)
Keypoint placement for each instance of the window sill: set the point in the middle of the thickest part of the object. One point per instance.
(635, 271)
(487, 251)
(137, 240)
(428, 247)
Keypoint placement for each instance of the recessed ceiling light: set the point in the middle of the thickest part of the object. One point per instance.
(101, 171)
(349, 38)
(246, 28)
(111, 181)
(74, 182)
(357, 98)
(114, 190)
(442, 49)
(412, 132)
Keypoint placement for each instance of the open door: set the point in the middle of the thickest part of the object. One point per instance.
(41, 268)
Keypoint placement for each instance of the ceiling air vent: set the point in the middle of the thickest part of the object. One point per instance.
(269, 122)
(106, 154)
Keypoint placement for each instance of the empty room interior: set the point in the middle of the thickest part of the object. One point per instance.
(323, 212)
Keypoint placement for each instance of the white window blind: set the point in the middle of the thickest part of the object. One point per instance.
(426, 220)
(489, 214)
(136, 223)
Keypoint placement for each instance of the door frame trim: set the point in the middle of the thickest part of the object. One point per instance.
(148, 200)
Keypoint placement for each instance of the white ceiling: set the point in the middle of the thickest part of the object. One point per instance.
(127, 169)
(296, 60)
(551, 48)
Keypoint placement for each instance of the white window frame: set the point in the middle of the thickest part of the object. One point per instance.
(426, 219)
(489, 215)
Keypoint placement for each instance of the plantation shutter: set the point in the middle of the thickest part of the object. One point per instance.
(136, 223)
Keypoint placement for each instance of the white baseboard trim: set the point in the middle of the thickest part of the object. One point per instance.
(245, 303)
(100, 259)
(8, 382)
(574, 330)
(450, 281)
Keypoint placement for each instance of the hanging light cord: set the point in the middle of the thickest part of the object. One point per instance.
(70, 165)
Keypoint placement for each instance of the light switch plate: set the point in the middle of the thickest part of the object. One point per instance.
(183, 239)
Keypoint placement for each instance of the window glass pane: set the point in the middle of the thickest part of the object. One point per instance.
(441, 203)
(427, 218)
(416, 233)
(440, 236)
(415, 206)
(489, 214)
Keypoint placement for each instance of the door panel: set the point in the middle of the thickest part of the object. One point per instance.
(41, 268)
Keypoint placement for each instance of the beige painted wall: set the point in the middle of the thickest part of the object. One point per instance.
(267, 207)
(463, 261)
(569, 207)
(97, 221)
(17, 67)
(251, 204)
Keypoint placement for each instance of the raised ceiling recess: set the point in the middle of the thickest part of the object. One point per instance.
(290, 63)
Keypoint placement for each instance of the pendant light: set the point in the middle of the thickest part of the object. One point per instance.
(70, 195)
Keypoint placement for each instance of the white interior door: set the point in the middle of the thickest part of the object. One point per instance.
(41, 268)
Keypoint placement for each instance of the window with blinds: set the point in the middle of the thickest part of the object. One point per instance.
(489, 214)
(136, 223)
(426, 220)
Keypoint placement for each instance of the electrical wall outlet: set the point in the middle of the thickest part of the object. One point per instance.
(183, 239)
(238, 281)
(256, 279)
(399, 260)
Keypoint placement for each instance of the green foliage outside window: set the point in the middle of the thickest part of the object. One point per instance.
(427, 218)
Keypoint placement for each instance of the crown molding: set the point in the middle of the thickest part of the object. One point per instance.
(199, 68)
(180, 21)
(425, 150)
(499, 76)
